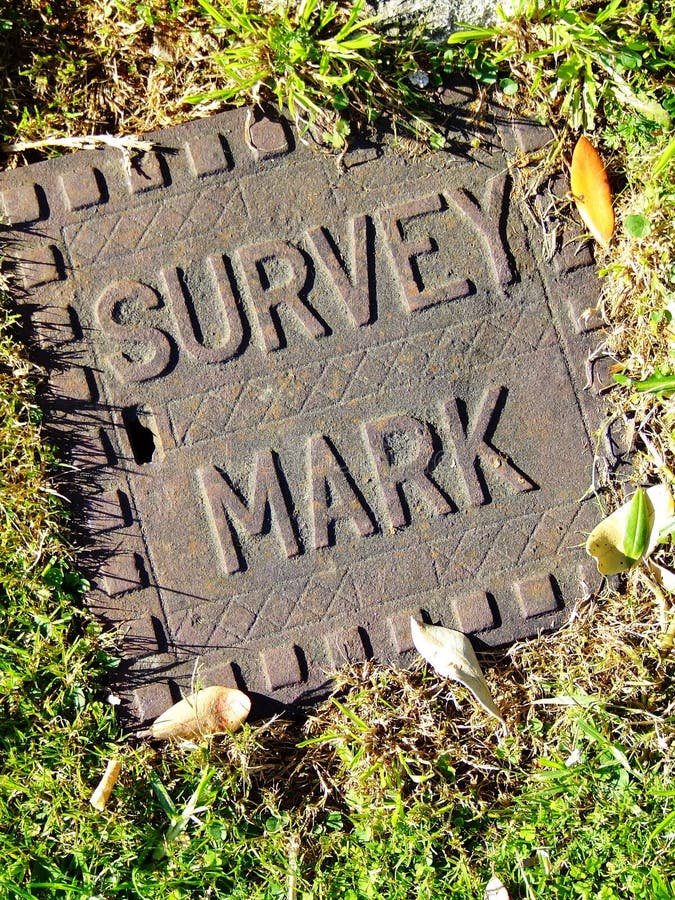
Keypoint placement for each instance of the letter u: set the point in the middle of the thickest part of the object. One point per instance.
(185, 313)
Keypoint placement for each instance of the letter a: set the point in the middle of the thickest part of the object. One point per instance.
(333, 494)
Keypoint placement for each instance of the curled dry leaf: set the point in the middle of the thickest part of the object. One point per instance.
(591, 191)
(451, 654)
(104, 788)
(495, 890)
(212, 710)
(665, 578)
(631, 531)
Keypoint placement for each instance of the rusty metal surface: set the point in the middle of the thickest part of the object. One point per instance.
(305, 399)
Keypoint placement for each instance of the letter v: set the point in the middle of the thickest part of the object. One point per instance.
(354, 283)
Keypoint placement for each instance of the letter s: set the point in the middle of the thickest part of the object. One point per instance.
(142, 351)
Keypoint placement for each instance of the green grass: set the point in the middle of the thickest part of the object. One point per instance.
(326, 63)
(401, 788)
(359, 803)
(567, 60)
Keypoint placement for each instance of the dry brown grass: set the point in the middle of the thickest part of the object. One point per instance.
(385, 724)
(107, 70)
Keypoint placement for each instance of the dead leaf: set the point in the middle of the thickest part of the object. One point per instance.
(607, 541)
(591, 191)
(666, 642)
(104, 788)
(665, 578)
(495, 890)
(212, 710)
(451, 654)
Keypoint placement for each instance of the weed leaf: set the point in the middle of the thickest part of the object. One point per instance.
(632, 531)
(509, 86)
(650, 109)
(591, 191)
(637, 226)
(655, 384)
(451, 654)
(637, 528)
(180, 819)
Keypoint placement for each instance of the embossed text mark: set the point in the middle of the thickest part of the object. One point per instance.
(401, 453)
(277, 279)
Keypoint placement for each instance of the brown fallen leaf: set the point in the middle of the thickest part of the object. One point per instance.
(212, 710)
(451, 654)
(591, 191)
(104, 788)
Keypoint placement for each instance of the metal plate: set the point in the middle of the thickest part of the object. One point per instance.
(306, 398)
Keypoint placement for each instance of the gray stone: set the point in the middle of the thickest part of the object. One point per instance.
(439, 17)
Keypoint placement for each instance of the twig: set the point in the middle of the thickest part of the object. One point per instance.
(292, 885)
(125, 144)
(666, 642)
(661, 599)
(657, 457)
(102, 793)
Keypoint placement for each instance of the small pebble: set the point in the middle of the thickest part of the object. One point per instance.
(418, 79)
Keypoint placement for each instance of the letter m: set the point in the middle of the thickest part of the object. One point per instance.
(229, 515)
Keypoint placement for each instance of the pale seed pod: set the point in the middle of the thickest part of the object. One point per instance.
(104, 788)
(212, 710)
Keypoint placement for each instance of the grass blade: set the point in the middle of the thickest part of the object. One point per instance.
(472, 34)
(215, 14)
(162, 795)
(665, 823)
(666, 157)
